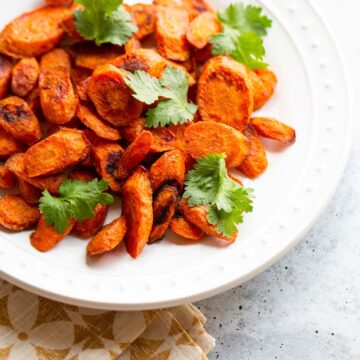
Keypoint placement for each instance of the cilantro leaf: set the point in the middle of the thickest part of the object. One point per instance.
(209, 184)
(171, 90)
(77, 201)
(104, 21)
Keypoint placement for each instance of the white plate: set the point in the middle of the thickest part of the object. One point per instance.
(313, 96)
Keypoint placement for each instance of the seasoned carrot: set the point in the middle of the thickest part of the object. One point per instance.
(112, 97)
(225, 92)
(57, 59)
(134, 154)
(133, 130)
(197, 6)
(108, 238)
(25, 76)
(89, 118)
(33, 33)
(209, 137)
(274, 129)
(164, 140)
(264, 83)
(144, 18)
(30, 193)
(78, 75)
(163, 208)
(5, 76)
(53, 155)
(170, 30)
(33, 100)
(132, 44)
(180, 226)
(255, 162)
(83, 174)
(59, 2)
(7, 178)
(90, 227)
(9, 145)
(68, 23)
(138, 211)
(17, 119)
(197, 215)
(46, 237)
(82, 88)
(168, 169)
(16, 214)
(202, 28)
(52, 183)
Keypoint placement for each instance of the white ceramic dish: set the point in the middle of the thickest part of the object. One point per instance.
(313, 95)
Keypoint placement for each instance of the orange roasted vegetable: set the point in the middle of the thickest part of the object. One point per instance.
(197, 6)
(255, 162)
(46, 237)
(9, 145)
(163, 140)
(112, 97)
(68, 23)
(5, 76)
(164, 208)
(108, 238)
(33, 33)
(17, 119)
(168, 169)
(202, 28)
(59, 2)
(170, 30)
(144, 18)
(33, 100)
(30, 193)
(274, 129)
(225, 92)
(264, 83)
(138, 211)
(7, 178)
(180, 226)
(132, 45)
(16, 214)
(57, 95)
(78, 75)
(197, 215)
(83, 174)
(89, 118)
(209, 137)
(52, 183)
(90, 226)
(133, 130)
(82, 88)
(25, 76)
(134, 154)
(65, 148)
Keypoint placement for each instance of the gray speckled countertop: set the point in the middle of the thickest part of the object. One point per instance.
(307, 306)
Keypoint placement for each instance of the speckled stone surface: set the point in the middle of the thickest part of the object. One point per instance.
(307, 306)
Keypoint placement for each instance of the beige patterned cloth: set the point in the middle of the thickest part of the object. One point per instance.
(32, 327)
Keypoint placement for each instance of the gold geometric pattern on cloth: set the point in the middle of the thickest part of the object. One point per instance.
(35, 328)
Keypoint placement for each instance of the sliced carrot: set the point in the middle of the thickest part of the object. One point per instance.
(163, 140)
(132, 44)
(264, 84)
(7, 178)
(59, 2)
(180, 226)
(83, 174)
(68, 23)
(30, 193)
(82, 88)
(9, 145)
(133, 130)
(144, 18)
(5, 76)
(33, 100)
(25, 76)
(197, 6)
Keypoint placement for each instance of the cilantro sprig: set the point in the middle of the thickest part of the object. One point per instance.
(77, 201)
(104, 21)
(171, 89)
(241, 38)
(209, 184)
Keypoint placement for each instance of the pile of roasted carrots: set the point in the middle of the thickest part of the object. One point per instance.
(66, 112)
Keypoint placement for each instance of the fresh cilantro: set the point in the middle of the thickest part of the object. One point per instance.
(171, 90)
(104, 21)
(77, 201)
(241, 38)
(209, 184)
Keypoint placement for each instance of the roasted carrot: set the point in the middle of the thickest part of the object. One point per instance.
(144, 18)
(82, 88)
(30, 193)
(209, 137)
(274, 129)
(9, 145)
(264, 83)
(68, 23)
(108, 238)
(16, 214)
(180, 226)
(78, 75)
(33, 100)
(83, 174)
(7, 178)
(134, 154)
(46, 237)
(132, 44)
(168, 169)
(5, 76)
(25, 76)
(138, 211)
(112, 97)
(163, 140)
(225, 92)
(17, 119)
(53, 155)
(197, 6)
(59, 2)
(133, 130)
(164, 208)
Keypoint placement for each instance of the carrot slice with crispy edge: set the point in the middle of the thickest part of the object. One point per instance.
(197, 215)
(209, 137)
(7, 178)
(59, 2)
(25, 76)
(163, 140)
(168, 169)
(225, 92)
(164, 207)
(132, 45)
(17, 119)
(180, 226)
(264, 83)
(87, 115)
(274, 129)
(46, 237)
(9, 145)
(133, 130)
(112, 98)
(108, 238)
(138, 211)
(144, 17)
(30, 193)
(83, 174)
(16, 214)
(5, 76)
